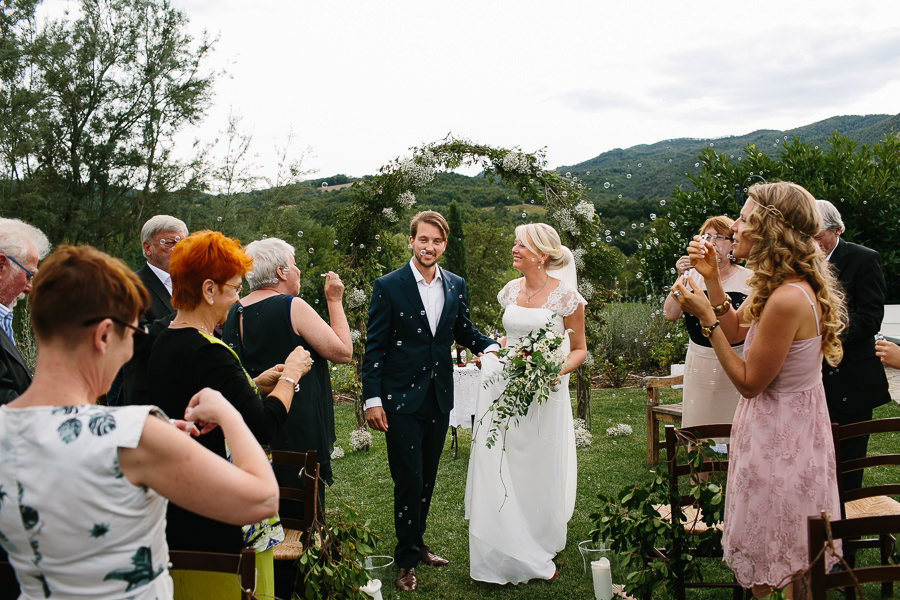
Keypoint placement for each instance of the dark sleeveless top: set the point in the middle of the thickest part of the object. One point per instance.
(268, 339)
(692, 323)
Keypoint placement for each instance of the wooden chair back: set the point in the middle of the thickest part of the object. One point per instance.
(657, 413)
(868, 500)
(242, 565)
(844, 529)
(680, 471)
(298, 508)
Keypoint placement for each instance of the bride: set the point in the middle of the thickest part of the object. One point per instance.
(520, 493)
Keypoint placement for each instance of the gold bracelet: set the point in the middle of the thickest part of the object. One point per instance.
(721, 309)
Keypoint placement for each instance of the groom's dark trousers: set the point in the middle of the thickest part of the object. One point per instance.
(410, 369)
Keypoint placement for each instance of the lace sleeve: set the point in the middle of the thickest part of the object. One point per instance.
(564, 300)
(509, 293)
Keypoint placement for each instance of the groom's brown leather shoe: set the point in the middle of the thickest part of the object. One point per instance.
(406, 580)
(431, 559)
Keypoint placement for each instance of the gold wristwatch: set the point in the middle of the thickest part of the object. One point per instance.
(707, 331)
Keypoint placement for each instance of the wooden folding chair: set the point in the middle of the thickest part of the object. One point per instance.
(659, 413)
(868, 500)
(848, 529)
(299, 510)
(242, 565)
(683, 506)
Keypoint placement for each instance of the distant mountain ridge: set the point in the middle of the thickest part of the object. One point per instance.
(652, 170)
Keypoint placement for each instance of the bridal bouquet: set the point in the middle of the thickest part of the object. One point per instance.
(531, 370)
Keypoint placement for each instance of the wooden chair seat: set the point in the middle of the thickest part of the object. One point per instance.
(872, 506)
(659, 413)
(694, 523)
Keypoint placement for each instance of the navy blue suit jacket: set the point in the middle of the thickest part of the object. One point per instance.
(401, 354)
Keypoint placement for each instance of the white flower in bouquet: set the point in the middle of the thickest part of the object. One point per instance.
(531, 370)
(337, 453)
(619, 430)
(360, 439)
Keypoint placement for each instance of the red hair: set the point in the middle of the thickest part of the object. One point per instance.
(78, 283)
(201, 256)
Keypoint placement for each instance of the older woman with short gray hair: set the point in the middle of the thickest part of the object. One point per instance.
(272, 318)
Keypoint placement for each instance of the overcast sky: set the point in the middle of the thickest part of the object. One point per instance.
(361, 81)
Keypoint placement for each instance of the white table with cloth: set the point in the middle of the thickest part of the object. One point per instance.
(466, 384)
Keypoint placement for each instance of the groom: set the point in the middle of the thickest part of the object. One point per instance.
(407, 375)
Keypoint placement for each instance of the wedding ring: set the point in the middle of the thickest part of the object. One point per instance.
(676, 293)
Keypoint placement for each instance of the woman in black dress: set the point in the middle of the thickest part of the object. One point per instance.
(270, 320)
(206, 270)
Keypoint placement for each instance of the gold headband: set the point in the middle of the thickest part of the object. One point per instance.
(777, 214)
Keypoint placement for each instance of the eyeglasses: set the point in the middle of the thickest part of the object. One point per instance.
(170, 242)
(140, 330)
(236, 288)
(714, 236)
(29, 274)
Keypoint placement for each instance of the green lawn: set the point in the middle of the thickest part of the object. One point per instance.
(362, 480)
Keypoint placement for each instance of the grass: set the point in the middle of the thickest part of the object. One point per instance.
(362, 479)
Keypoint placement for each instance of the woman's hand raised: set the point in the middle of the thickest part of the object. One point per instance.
(334, 287)
(207, 409)
(702, 254)
(696, 304)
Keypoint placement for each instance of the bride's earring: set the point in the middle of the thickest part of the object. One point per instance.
(541, 266)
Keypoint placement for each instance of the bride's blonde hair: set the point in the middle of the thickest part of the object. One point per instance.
(781, 225)
(540, 238)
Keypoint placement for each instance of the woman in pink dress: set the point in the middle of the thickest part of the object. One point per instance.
(782, 466)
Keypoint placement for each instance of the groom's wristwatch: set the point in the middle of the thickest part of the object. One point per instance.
(707, 331)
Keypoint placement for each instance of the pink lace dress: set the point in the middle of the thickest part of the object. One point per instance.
(781, 470)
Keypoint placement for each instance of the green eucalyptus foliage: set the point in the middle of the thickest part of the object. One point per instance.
(333, 569)
(656, 551)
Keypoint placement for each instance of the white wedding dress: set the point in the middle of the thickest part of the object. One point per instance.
(519, 501)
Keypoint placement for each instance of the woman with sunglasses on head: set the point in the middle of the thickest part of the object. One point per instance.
(206, 270)
(83, 488)
(709, 396)
(781, 467)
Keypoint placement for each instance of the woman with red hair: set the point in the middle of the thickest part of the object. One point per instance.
(206, 270)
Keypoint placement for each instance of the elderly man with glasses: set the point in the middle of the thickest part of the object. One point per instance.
(21, 247)
(158, 237)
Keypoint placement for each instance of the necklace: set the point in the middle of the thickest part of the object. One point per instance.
(528, 296)
(198, 327)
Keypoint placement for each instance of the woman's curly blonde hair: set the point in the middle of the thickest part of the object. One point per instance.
(781, 225)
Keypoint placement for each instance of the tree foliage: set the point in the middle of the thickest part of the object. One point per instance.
(862, 181)
(90, 107)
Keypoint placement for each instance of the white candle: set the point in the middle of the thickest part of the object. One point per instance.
(372, 589)
(602, 579)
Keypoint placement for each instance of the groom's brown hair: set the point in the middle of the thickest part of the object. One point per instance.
(432, 218)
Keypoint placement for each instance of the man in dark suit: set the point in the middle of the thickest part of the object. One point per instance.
(21, 247)
(158, 237)
(858, 384)
(407, 376)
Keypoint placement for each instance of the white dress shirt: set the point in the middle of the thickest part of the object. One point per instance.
(164, 277)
